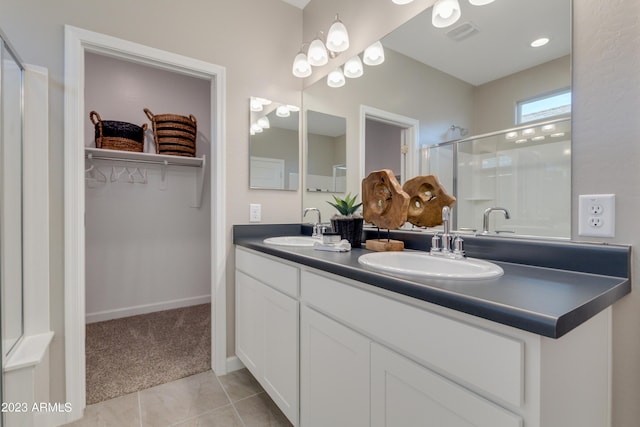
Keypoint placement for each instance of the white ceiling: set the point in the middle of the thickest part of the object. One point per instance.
(297, 3)
(499, 48)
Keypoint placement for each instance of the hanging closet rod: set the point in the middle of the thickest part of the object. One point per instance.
(148, 158)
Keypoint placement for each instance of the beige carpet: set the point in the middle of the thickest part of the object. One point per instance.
(138, 352)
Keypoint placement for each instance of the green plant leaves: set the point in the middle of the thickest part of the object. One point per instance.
(347, 205)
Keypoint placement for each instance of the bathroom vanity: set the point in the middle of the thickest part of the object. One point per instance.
(334, 343)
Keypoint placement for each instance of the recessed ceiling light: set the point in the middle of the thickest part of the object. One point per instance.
(520, 141)
(557, 135)
(540, 42)
(538, 138)
(548, 128)
(511, 135)
(528, 132)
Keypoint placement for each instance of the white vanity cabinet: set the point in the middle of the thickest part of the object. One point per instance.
(338, 352)
(267, 315)
(431, 366)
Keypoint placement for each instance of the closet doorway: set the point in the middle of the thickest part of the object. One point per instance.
(89, 251)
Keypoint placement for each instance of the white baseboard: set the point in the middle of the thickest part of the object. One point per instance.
(118, 313)
(234, 364)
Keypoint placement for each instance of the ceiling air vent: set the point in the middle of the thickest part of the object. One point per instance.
(462, 31)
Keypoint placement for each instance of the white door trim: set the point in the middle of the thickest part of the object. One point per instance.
(77, 42)
(411, 131)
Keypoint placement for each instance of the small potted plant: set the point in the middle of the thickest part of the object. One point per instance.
(347, 221)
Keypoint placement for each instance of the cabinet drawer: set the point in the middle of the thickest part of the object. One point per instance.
(278, 275)
(467, 354)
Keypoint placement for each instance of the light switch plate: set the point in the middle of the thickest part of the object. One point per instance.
(597, 215)
(255, 212)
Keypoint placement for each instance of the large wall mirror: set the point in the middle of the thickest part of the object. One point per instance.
(273, 145)
(476, 78)
(11, 269)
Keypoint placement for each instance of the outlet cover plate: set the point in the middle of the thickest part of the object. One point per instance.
(255, 212)
(597, 215)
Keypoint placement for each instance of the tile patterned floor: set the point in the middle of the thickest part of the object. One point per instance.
(201, 400)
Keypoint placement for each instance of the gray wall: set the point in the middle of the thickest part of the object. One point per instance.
(606, 154)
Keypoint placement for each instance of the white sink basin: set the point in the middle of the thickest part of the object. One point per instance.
(424, 265)
(291, 241)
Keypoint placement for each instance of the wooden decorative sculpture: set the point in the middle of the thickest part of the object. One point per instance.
(384, 204)
(428, 197)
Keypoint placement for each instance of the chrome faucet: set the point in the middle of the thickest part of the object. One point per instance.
(447, 245)
(317, 227)
(485, 218)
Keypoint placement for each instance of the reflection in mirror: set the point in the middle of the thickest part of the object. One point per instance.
(273, 145)
(467, 79)
(326, 153)
(525, 170)
(11, 271)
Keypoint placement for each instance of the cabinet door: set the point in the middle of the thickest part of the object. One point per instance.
(404, 393)
(249, 324)
(280, 360)
(334, 373)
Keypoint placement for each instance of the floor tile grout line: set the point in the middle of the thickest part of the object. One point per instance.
(235, 410)
(182, 421)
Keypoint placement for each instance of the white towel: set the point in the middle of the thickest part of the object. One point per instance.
(342, 246)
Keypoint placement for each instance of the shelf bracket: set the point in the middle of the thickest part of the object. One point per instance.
(199, 187)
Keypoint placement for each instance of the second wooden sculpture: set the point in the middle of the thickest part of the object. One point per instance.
(428, 197)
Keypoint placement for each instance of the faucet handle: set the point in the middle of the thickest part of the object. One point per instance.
(458, 246)
(435, 243)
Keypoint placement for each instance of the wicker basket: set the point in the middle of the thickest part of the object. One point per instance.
(114, 135)
(174, 134)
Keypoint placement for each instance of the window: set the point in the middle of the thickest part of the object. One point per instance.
(544, 107)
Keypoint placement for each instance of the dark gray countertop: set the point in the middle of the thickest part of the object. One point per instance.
(546, 301)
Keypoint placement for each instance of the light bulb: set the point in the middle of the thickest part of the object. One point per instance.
(353, 67)
(263, 122)
(255, 104)
(445, 13)
(283, 111)
(255, 128)
(374, 54)
(337, 37)
(540, 42)
(317, 54)
(480, 2)
(336, 78)
(402, 1)
(301, 66)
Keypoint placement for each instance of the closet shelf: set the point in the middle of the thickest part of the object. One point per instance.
(130, 156)
(158, 159)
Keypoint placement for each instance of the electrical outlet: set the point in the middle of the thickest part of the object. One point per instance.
(597, 215)
(255, 212)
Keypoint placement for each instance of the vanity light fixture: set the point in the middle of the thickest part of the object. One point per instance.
(520, 141)
(263, 122)
(557, 135)
(255, 128)
(336, 78)
(353, 68)
(402, 1)
(538, 138)
(317, 54)
(283, 111)
(445, 13)
(540, 42)
(374, 54)
(528, 132)
(511, 135)
(337, 37)
(548, 128)
(257, 104)
(301, 66)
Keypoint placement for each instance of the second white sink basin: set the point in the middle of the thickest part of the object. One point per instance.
(424, 265)
(300, 241)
